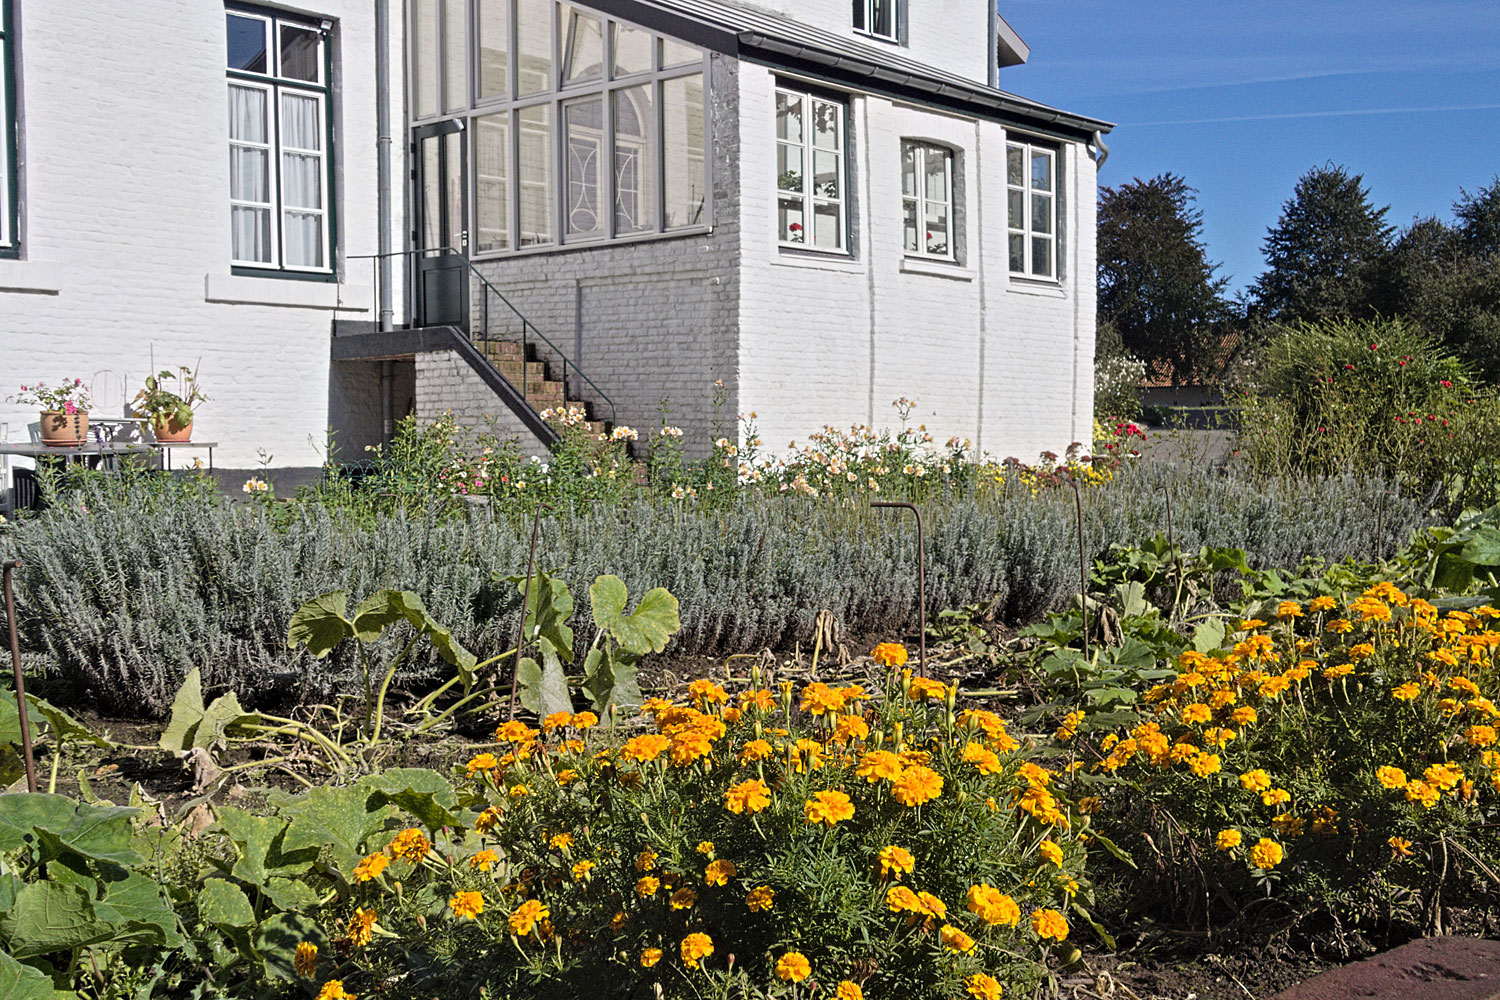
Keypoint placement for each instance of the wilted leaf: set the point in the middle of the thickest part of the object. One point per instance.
(543, 688)
(610, 679)
(187, 713)
(64, 726)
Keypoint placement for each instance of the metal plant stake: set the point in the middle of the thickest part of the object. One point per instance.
(515, 673)
(921, 582)
(1083, 567)
(15, 656)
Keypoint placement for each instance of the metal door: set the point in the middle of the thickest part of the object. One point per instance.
(441, 278)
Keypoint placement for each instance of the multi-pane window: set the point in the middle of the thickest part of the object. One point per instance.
(810, 171)
(279, 193)
(927, 200)
(1031, 200)
(881, 18)
(10, 244)
(585, 128)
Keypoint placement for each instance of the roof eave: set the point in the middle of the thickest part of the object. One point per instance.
(1010, 48)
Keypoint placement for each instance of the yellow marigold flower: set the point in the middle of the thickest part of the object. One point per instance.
(916, 785)
(647, 885)
(847, 990)
(850, 728)
(1275, 796)
(820, 699)
(650, 957)
(1400, 847)
(1390, 777)
(756, 750)
(1288, 825)
(466, 905)
(993, 906)
(581, 870)
(705, 847)
(695, 948)
(557, 720)
(1069, 727)
(646, 860)
(1420, 791)
(482, 860)
(487, 820)
(1323, 604)
(484, 762)
(1288, 609)
(1051, 852)
(793, 967)
(706, 692)
(1049, 924)
(1251, 624)
(1480, 736)
(982, 987)
(805, 755)
(924, 688)
(1182, 752)
(880, 764)
(334, 990)
(760, 899)
(1339, 672)
(361, 927)
(371, 866)
(955, 940)
(1274, 687)
(518, 791)
(1361, 651)
(985, 761)
(585, 720)
(992, 725)
(1197, 713)
(1228, 840)
(683, 899)
(1266, 854)
(899, 898)
(889, 654)
(748, 796)
(828, 808)
(1245, 715)
(896, 861)
(1340, 626)
(305, 961)
(561, 842)
(515, 732)
(526, 916)
(645, 748)
(409, 845)
(1205, 764)
(1407, 691)
(720, 871)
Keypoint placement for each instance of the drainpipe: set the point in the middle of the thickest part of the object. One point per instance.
(994, 45)
(383, 174)
(1101, 151)
(387, 402)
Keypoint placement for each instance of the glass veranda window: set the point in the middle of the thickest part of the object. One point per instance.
(809, 171)
(9, 243)
(278, 141)
(927, 200)
(1031, 209)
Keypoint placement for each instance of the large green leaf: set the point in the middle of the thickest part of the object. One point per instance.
(10, 718)
(424, 794)
(328, 817)
(52, 916)
(275, 940)
(187, 714)
(549, 605)
(610, 680)
(381, 609)
(224, 904)
(22, 982)
(221, 717)
(543, 687)
(645, 630)
(21, 815)
(64, 726)
(259, 842)
(321, 624)
(135, 902)
(1483, 549)
(100, 833)
(290, 894)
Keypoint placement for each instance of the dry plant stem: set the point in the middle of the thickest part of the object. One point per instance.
(15, 656)
(515, 672)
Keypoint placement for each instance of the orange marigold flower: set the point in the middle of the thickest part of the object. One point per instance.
(483, 762)
(650, 957)
(1323, 604)
(748, 796)
(1390, 777)
(582, 870)
(1400, 847)
(982, 987)
(1266, 854)
(1051, 852)
(889, 654)
(923, 688)
(646, 860)
(899, 898)
(361, 927)
(847, 990)
(647, 885)
(706, 692)
(916, 785)
(483, 860)
(985, 760)
(466, 905)
(371, 866)
(525, 917)
(695, 948)
(828, 808)
(409, 845)
(334, 990)
(1275, 796)
(1049, 924)
(683, 899)
(820, 699)
(896, 861)
(993, 906)
(850, 728)
(880, 764)
(955, 940)
(1228, 840)
(756, 750)
(515, 732)
(793, 967)
(557, 720)
(645, 748)
(305, 961)
(760, 899)
(1196, 714)
(585, 720)
(487, 820)
(720, 871)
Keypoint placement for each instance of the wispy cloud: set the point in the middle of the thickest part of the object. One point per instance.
(1348, 112)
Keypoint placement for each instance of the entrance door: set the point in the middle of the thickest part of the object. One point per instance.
(441, 278)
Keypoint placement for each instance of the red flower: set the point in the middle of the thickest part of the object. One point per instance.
(795, 227)
(1401, 364)
(1374, 347)
(1349, 367)
(1446, 384)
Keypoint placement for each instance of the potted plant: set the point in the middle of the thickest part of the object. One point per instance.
(65, 411)
(171, 414)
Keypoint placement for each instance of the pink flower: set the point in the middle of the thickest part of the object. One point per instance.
(1446, 384)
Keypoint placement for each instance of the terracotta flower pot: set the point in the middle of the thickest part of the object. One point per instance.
(169, 431)
(64, 430)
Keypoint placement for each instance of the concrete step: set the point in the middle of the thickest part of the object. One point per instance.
(1440, 968)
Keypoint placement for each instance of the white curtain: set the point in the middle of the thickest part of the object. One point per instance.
(249, 174)
(302, 180)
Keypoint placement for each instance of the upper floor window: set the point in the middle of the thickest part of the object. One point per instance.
(279, 189)
(1032, 216)
(584, 128)
(10, 242)
(881, 18)
(927, 200)
(810, 171)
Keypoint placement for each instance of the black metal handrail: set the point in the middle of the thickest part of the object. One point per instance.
(484, 326)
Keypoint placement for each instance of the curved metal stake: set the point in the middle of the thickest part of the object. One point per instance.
(921, 582)
(15, 656)
(515, 672)
(1083, 569)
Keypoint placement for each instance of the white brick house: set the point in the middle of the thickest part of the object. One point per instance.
(824, 207)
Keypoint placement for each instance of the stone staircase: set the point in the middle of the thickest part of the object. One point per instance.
(542, 392)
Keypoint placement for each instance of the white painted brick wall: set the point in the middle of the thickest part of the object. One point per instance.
(951, 34)
(126, 188)
(1006, 365)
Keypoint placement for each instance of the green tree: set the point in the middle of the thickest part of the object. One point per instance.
(1325, 253)
(1478, 217)
(1156, 284)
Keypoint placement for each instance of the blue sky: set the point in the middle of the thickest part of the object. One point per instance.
(1241, 98)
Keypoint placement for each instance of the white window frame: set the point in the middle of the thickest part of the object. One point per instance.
(920, 201)
(809, 198)
(1028, 230)
(275, 86)
(864, 16)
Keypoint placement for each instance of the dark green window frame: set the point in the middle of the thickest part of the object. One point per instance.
(275, 84)
(10, 185)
